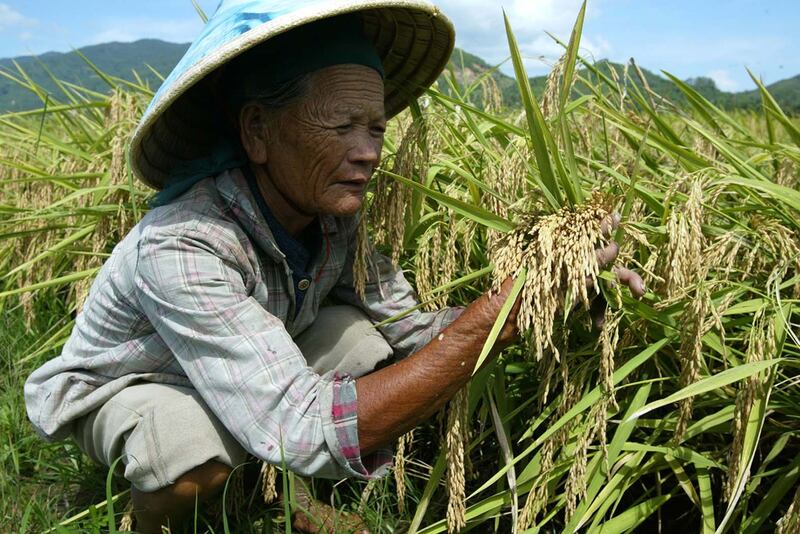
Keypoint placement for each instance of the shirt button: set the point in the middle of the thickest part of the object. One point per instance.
(303, 284)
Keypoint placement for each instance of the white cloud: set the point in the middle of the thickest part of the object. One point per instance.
(12, 19)
(724, 80)
(480, 29)
(126, 30)
(696, 50)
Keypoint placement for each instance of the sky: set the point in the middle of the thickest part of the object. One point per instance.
(688, 38)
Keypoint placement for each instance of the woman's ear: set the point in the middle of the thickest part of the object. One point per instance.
(254, 131)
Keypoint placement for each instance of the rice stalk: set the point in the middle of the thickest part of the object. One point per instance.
(492, 97)
(403, 447)
(694, 325)
(456, 438)
(575, 486)
(552, 89)
(362, 258)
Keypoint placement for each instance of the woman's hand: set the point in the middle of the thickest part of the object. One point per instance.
(397, 398)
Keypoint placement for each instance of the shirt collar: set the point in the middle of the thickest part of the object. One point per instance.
(232, 187)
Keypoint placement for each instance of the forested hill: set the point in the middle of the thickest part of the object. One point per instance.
(786, 92)
(149, 58)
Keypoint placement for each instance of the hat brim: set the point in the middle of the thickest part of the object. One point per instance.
(412, 37)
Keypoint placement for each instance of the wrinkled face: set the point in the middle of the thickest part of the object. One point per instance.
(321, 151)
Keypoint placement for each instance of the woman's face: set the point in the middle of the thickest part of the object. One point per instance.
(320, 152)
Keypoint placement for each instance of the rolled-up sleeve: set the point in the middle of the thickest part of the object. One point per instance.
(196, 289)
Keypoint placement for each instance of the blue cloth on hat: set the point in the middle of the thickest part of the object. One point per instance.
(265, 67)
(225, 156)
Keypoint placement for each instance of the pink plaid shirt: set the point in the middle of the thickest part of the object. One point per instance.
(198, 294)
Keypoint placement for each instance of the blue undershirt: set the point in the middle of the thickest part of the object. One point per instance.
(299, 251)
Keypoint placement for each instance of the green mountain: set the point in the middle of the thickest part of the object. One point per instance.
(148, 58)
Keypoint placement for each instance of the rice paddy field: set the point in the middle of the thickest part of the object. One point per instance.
(679, 412)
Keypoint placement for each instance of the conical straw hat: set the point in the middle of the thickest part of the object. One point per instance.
(412, 37)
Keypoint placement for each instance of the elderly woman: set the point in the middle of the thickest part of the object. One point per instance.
(208, 334)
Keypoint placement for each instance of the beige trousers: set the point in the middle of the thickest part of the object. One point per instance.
(163, 431)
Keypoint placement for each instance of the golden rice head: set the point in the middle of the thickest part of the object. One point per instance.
(428, 256)
(391, 198)
(629, 255)
(387, 213)
(539, 494)
(362, 259)
(403, 445)
(436, 260)
(704, 148)
(552, 89)
(787, 174)
(126, 523)
(269, 477)
(695, 323)
(790, 522)
(492, 96)
(558, 252)
(760, 346)
(609, 339)
(760, 249)
(456, 437)
(575, 486)
(508, 177)
(686, 263)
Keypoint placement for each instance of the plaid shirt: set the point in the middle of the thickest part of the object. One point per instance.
(198, 294)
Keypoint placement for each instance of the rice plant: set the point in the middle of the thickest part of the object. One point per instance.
(680, 411)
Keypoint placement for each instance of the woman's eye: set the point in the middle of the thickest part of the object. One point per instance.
(378, 130)
(344, 127)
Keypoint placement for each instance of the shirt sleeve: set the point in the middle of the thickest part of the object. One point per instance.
(388, 294)
(196, 291)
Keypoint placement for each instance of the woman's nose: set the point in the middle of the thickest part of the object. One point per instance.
(367, 151)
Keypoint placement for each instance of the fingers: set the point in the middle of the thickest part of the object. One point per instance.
(608, 254)
(610, 223)
(631, 279)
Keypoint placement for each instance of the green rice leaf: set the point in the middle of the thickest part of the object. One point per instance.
(628, 520)
(536, 122)
(476, 213)
(710, 383)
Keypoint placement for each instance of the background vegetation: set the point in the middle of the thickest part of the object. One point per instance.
(146, 60)
(681, 412)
